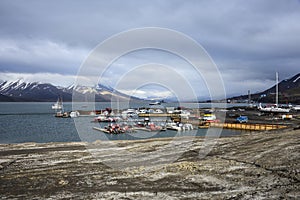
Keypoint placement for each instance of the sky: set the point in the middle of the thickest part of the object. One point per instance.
(248, 41)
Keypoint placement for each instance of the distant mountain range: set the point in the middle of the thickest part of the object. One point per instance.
(21, 91)
(289, 92)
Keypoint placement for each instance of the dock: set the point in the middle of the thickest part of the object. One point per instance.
(227, 125)
(101, 129)
(173, 115)
(247, 127)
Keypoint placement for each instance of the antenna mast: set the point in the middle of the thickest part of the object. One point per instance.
(276, 88)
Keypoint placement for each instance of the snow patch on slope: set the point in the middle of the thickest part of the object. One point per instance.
(296, 79)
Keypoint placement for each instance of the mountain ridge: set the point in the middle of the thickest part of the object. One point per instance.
(289, 92)
(20, 90)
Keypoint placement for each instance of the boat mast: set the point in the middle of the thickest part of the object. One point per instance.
(62, 105)
(276, 88)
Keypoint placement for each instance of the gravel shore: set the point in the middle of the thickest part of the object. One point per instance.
(260, 165)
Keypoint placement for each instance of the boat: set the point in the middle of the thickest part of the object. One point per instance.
(148, 126)
(61, 114)
(105, 118)
(129, 113)
(155, 103)
(296, 107)
(179, 126)
(58, 105)
(74, 114)
(101, 129)
(209, 117)
(274, 108)
(185, 114)
(116, 129)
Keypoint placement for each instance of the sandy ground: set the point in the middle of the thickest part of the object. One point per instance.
(261, 165)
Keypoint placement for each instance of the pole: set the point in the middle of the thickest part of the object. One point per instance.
(276, 88)
(249, 97)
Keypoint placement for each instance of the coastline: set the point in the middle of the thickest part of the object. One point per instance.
(254, 165)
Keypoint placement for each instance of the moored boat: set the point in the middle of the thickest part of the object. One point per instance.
(149, 127)
(58, 105)
(116, 129)
(274, 108)
(296, 107)
(74, 114)
(105, 118)
(62, 114)
(179, 126)
(154, 103)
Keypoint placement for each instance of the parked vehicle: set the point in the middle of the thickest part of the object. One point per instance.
(242, 119)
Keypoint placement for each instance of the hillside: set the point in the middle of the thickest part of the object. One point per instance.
(289, 92)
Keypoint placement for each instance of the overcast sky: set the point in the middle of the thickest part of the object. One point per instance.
(249, 41)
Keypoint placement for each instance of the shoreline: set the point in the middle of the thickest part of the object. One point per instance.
(254, 165)
(242, 133)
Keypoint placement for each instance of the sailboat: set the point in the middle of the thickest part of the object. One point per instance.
(58, 105)
(274, 108)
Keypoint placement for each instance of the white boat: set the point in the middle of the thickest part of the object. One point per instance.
(179, 126)
(296, 107)
(185, 114)
(155, 103)
(209, 117)
(274, 108)
(129, 113)
(174, 126)
(105, 118)
(58, 105)
(74, 114)
(159, 111)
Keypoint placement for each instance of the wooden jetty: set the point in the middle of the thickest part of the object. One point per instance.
(248, 127)
(159, 115)
(101, 129)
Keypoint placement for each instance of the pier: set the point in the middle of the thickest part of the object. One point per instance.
(247, 127)
(173, 115)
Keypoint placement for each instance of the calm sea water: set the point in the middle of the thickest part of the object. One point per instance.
(35, 122)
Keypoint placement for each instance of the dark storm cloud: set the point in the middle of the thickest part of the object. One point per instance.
(248, 40)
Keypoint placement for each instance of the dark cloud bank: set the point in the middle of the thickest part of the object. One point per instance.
(248, 40)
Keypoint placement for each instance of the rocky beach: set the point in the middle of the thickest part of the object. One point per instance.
(256, 165)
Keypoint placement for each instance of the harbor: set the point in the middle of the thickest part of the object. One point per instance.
(256, 157)
(150, 100)
(246, 118)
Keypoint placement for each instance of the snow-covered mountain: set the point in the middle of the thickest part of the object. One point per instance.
(20, 90)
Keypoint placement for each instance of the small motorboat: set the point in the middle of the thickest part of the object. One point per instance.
(151, 127)
(62, 114)
(116, 129)
(155, 103)
(105, 118)
(296, 108)
(74, 114)
(179, 126)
